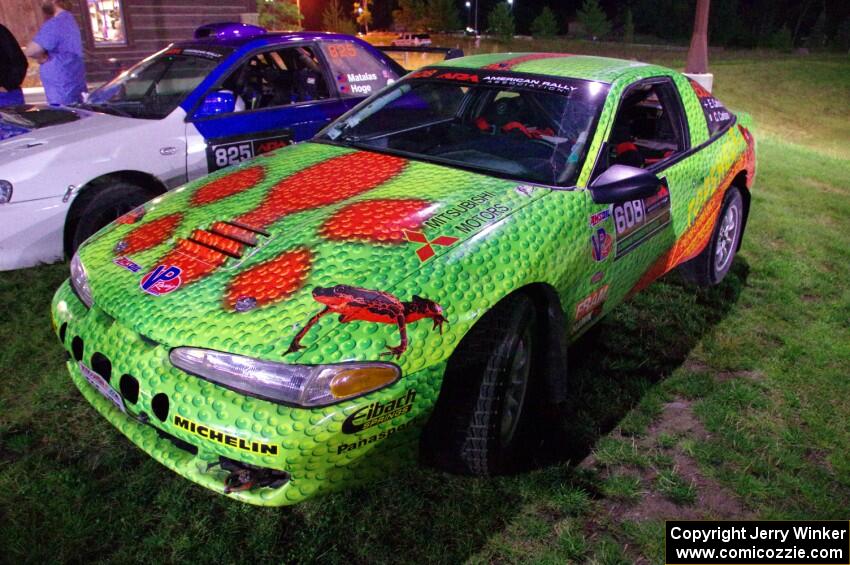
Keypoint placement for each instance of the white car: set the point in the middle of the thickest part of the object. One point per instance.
(412, 40)
(233, 92)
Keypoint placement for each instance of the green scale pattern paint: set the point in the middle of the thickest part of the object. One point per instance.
(333, 216)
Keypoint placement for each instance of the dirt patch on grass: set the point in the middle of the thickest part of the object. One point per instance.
(820, 186)
(694, 366)
(748, 375)
(709, 499)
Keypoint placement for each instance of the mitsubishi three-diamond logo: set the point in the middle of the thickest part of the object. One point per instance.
(427, 250)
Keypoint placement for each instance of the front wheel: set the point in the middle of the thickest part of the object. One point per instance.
(711, 265)
(483, 421)
(102, 207)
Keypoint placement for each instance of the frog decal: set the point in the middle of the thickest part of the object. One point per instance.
(355, 303)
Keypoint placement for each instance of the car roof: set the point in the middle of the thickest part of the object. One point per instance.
(587, 67)
(269, 38)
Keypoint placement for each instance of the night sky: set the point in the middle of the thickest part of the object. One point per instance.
(752, 18)
(525, 10)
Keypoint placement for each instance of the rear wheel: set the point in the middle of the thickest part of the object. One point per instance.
(711, 265)
(483, 422)
(106, 204)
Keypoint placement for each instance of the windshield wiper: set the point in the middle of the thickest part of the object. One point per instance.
(389, 133)
(105, 108)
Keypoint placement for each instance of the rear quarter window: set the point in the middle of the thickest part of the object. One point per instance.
(716, 115)
(356, 72)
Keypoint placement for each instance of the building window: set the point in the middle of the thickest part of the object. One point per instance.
(107, 23)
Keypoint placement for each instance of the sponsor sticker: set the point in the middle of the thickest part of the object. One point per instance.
(202, 53)
(463, 77)
(100, 384)
(600, 243)
(225, 438)
(162, 280)
(378, 413)
(590, 307)
(343, 447)
(599, 217)
(510, 81)
(127, 264)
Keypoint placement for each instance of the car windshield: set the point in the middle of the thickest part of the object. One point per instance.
(523, 127)
(154, 87)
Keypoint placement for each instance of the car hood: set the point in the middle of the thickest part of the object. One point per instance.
(231, 262)
(25, 129)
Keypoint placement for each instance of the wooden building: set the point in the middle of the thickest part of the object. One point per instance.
(118, 33)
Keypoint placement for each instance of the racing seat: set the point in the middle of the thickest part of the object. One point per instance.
(307, 85)
(625, 152)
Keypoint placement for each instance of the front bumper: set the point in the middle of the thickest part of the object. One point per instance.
(31, 232)
(307, 444)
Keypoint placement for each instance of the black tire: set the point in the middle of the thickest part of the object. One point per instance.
(483, 423)
(102, 206)
(711, 265)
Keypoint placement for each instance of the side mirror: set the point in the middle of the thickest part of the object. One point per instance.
(621, 183)
(220, 102)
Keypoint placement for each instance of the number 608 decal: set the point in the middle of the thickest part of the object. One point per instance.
(636, 221)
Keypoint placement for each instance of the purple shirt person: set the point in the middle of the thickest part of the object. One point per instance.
(13, 69)
(59, 48)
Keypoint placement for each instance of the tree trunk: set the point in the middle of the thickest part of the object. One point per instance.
(698, 51)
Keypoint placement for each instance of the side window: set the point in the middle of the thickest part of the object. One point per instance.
(648, 128)
(356, 72)
(277, 78)
(716, 115)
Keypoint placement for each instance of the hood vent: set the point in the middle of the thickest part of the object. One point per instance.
(222, 241)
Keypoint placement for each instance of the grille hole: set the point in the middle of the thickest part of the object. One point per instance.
(77, 348)
(159, 403)
(129, 388)
(101, 365)
(62, 330)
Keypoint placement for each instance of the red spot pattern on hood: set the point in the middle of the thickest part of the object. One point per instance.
(194, 260)
(509, 64)
(326, 183)
(274, 280)
(228, 185)
(376, 221)
(149, 235)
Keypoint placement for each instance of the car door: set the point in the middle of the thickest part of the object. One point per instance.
(279, 95)
(626, 239)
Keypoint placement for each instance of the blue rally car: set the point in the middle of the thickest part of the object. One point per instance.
(231, 93)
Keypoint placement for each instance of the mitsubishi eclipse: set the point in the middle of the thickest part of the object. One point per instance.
(407, 281)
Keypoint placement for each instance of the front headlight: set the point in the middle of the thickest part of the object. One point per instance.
(80, 281)
(5, 191)
(302, 385)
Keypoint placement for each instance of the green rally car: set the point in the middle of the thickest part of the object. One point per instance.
(408, 280)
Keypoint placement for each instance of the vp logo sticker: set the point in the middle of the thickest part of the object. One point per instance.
(162, 280)
(600, 244)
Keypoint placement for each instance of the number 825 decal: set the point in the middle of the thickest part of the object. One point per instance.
(226, 155)
(221, 155)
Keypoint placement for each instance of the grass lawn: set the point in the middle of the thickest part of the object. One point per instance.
(727, 402)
